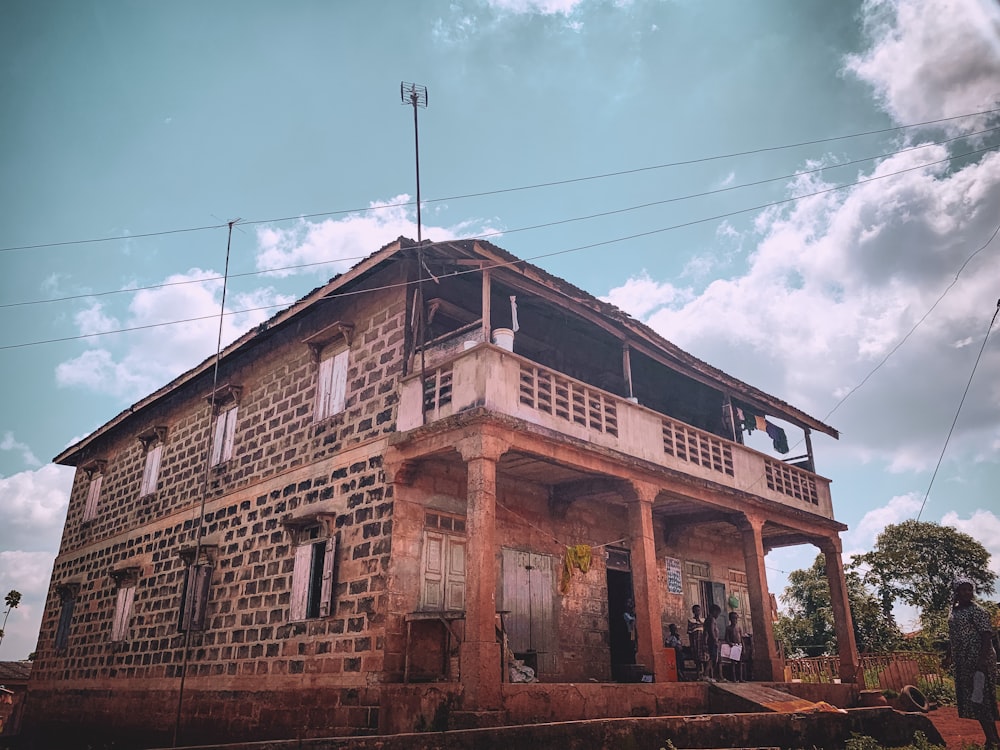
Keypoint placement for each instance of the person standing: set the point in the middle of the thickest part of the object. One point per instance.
(696, 638)
(712, 642)
(734, 637)
(970, 649)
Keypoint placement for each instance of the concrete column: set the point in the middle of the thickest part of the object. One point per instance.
(645, 586)
(480, 651)
(847, 646)
(767, 663)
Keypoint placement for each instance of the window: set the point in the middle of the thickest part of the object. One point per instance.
(312, 575)
(123, 612)
(331, 384)
(151, 473)
(93, 495)
(194, 601)
(152, 443)
(443, 575)
(222, 439)
(67, 601)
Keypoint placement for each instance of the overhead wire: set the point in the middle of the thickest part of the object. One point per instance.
(535, 257)
(543, 225)
(958, 411)
(683, 162)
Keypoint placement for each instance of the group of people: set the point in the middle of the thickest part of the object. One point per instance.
(712, 647)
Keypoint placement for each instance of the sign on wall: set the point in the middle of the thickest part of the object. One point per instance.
(674, 576)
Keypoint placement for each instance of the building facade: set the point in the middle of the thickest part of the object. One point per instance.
(364, 511)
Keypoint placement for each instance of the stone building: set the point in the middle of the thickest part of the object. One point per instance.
(366, 508)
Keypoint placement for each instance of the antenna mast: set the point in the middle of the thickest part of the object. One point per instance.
(415, 95)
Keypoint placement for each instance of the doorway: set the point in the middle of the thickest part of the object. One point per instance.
(621, 601)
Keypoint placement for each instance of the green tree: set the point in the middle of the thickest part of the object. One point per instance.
(808, 627)
(12, 599)
(915, 562)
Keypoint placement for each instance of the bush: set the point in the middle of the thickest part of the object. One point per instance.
(940, 691)
(864, 742)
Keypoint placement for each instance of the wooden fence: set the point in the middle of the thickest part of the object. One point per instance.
(878, 671)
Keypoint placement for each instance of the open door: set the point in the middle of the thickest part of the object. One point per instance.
(621, 607)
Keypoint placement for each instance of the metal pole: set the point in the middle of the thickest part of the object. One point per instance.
(416, 151)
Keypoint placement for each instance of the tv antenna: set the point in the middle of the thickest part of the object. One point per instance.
(416, 96)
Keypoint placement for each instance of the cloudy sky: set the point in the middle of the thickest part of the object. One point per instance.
(736, 174)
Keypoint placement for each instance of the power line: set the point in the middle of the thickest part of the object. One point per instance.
(685, 162)
(959, 410)
(915, 325)
(527, 228)
(536, 257)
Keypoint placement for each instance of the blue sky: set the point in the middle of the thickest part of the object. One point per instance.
(122, 119)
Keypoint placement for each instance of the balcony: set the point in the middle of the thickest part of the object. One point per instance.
(506, 383)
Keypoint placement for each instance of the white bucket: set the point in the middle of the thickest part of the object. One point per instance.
(466, 345)
(504, 338)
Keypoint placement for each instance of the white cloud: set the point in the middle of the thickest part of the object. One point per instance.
(8, 443)
(336, 244)
(133, 364)
(836, 281)
(27, 573)
(34, 502)
(862, 536)
(984, 527)
(542, 7)
(641, 295)
(932, 58)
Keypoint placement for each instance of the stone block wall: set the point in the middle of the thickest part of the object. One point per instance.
(275, 430)
(284, 464)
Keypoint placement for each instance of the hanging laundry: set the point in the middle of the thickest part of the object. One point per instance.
(513, 314)
(760, 422)
(777, 436)
(578, 556)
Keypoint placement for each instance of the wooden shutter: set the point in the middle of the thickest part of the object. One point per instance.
(152, 470)
(218, 438)
(338, 385)
(300, 582)
(65, 620)
(202, 579)
(326, 593)
(432, 587)
(230, 430)
(123, 613)
(324, 383)
(93, 495)
(454, 585)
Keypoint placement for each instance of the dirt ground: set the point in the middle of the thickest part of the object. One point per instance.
(957, 733)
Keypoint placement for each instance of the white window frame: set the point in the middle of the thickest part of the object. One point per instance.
(151, 471)
(123, 611)
(224, 433)
(93, 497)
(312, 574)
(331, 384)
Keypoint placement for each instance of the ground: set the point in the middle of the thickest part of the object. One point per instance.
(957, 733)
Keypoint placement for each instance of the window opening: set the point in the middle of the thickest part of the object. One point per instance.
(331, 385)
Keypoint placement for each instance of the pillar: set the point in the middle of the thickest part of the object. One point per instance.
(645, 583)
(847, 646)
(767, 663)
(480, 651)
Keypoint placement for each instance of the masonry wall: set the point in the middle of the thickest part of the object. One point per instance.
(526, 521)
(283, 464)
